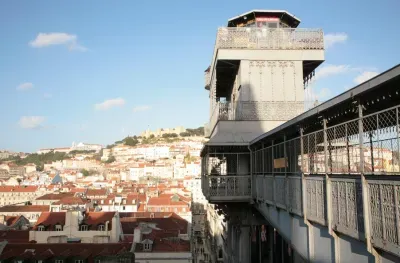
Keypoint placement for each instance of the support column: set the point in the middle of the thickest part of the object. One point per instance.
(270, 240)
(245, 243)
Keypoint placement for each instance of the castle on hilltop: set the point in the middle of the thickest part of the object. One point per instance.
(160, 132)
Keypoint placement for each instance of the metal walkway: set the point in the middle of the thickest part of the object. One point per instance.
(329, 179)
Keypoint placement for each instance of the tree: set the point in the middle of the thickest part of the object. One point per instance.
(184, 134)
(130, 141)
(151, 136)
(110, 146)
(85, 172)
(111, 159)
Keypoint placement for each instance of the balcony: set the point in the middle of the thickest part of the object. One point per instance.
(262, 38)
(226, 177)
(247, 38)
(228, 188)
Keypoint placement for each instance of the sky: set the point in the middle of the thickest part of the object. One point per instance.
(98, 71)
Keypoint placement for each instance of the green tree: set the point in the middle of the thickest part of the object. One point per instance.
(85, 172)
(130, 141)
(111, 159)
(151, 136)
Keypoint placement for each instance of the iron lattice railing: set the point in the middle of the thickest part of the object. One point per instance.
(349, 172)
(262, 38)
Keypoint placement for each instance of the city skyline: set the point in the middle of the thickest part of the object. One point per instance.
(98, 80)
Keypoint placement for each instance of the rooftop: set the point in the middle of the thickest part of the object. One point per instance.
(45, 251)
(24, 208)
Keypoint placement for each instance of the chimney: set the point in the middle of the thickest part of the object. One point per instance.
(137, 235)
(3, 220)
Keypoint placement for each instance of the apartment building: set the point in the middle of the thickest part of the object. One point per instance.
(77, 226)
(10, 195)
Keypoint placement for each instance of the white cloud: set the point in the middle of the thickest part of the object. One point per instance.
(50, 39)
(141, 108)
(25, 86)
(364, 76)
(334, 38)
(47, 96)
(330, 70)
(31, 122)
(108, 104)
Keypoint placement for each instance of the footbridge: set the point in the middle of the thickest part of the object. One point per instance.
(322, 187)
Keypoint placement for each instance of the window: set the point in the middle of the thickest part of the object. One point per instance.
(101, 228)
(79, 261)
(83, 228)
(147, 247)
(58, 261)
(40, 228)
(97, 261)
(58, 227)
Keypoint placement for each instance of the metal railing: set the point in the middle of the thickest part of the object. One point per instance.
(262, 38)
(231, 187)
(255, 111)
(266, 39)
(347, 175)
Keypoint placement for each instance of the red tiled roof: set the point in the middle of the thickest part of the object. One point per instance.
(160, 244)
(169, 223)
(165, 201)
(93, 219)
(96, 192)
(72, 201)
(44, 251)
(77, 190)
(15, 236)
(50, 219)
(55, 196)
(25, 208)
(18, 189)
(10, 220)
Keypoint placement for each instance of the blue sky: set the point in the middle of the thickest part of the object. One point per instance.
(96, 71)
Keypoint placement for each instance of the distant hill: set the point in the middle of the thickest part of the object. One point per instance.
(167, 137)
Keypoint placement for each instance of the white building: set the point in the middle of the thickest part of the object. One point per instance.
(86, 147)
(136, 172)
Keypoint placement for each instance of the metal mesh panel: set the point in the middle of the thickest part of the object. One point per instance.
(293, 155)
(279, 155)
(315, 198)
(269, 189)
(343, 150)
(313, 153)
(258, 162)
(347, 207)
(381, 142)
(280, 191)
(268, 160)
(294, 195)
(384, 210)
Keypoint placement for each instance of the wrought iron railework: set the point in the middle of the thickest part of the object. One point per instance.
(331, 164)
